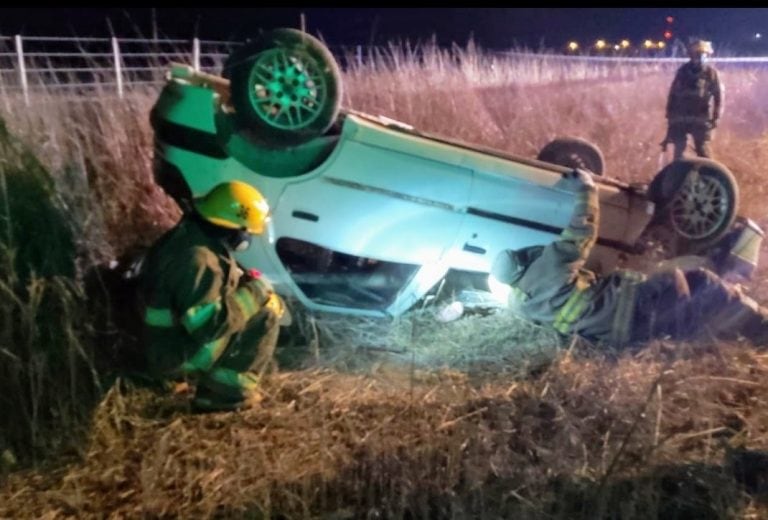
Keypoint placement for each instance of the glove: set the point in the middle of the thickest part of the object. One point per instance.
(275, 305)
(579, 180)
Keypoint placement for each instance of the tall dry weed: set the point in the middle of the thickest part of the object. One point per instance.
(48, 377)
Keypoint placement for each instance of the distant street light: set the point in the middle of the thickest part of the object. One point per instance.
(758, 36)
(662, 45)
(600, 44)
(573, 46)
(648, 44)
(624, 44)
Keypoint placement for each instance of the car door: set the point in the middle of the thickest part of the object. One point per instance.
(511, 205)
(370, 229)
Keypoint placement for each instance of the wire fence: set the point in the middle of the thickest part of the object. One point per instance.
(32, 63)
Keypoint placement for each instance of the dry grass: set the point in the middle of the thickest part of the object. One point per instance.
(110, 143)
(47, 374)
(631, 437)
(487, 417)
(503, 341)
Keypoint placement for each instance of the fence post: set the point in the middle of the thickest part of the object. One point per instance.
(359, 54)
(118, 66)
(196, 54)
(22, 68)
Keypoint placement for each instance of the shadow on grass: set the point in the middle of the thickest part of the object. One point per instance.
(367, 490)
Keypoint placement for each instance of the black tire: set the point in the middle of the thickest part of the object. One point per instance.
(285, 86)
(698, 198)
(574, 153)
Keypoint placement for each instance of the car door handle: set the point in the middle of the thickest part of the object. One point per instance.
(474, 249)
(305, 215)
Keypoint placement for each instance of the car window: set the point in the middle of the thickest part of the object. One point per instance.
(329, 277)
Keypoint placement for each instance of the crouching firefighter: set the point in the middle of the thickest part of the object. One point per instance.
(549, 285)
(206, 320)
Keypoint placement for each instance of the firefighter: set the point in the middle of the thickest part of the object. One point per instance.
(695, 103)
(549, 285)
(205, 318)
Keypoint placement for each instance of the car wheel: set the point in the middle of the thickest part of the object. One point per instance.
(285, 86)
(574, 153)
(697, 198)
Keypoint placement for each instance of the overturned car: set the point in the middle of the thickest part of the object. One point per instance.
(371, 216)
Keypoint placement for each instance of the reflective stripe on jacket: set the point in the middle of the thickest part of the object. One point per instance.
(555, 289)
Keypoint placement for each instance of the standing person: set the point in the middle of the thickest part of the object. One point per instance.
(205, 319)
(550, 286)
(695, 102)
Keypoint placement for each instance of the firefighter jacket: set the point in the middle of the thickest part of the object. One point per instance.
(196, 299)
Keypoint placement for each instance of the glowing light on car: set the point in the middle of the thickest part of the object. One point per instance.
(661, 45)
(648, 44)
(499, 290)
(270, 230)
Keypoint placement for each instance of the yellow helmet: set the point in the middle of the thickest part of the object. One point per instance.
(234, 205)
(701, 46)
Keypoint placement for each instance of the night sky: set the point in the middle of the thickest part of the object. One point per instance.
(496, 28)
